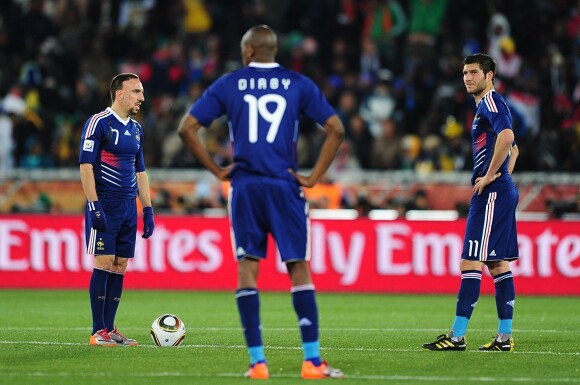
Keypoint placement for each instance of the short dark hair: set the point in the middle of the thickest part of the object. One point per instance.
(117, 83)
(486, 62)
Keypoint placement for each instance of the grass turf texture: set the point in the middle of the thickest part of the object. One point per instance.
(374, 339)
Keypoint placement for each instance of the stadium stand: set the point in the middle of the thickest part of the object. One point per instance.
(396, 85)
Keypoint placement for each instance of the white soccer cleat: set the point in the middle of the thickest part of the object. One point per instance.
(121, 339)
(102, 338)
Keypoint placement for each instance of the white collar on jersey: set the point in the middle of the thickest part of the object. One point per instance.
(125, 122)
(263, 65)
(483, 97)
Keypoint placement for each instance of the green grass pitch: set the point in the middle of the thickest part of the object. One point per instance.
(373, 338)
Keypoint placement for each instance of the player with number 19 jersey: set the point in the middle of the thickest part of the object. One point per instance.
(264, 103)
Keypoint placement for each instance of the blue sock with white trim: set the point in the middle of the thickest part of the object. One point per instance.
(466, 301)
(248, 300)
(304, 302)
(114, 291)
(97, 295)
(505, 297)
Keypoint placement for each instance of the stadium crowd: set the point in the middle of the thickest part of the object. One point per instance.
(391, 69)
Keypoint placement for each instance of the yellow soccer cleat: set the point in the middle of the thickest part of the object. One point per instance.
(498, 345)
(444, 342)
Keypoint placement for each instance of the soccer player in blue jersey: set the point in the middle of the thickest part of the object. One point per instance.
(490, 234)
(113, 176)
(263, 103)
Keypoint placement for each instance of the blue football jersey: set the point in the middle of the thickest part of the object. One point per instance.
(492, 117)
(263, 103)
(115, 149)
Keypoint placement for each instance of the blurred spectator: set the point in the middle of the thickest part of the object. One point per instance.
(418, 201)
(426, 17)
(508, 61)
(35, 155)
(27, 126)
(384, 22)
(370, 62)
(345, 161)
(497, 28)
(36, 25)
(411, 145)
(347, 107)
(6, 144)
(11, 109)
(430, 156)
(361, 139)
(364, 201)
(197, 22)
(386, 149)
(558, 209)
(379, 105)
(456, 151)
(96, 63)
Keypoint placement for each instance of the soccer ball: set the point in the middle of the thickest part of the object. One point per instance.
(168, 330)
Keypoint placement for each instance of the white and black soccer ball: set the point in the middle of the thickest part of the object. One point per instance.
(168, 330)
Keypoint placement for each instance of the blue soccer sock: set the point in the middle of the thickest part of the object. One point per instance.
(466, 301)
(97, 294)
(114, 291)
(304, 301)
(248, 300)
(505, 296)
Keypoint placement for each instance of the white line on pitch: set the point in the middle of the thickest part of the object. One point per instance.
(207, 346)
(446, 379)
(337, 329)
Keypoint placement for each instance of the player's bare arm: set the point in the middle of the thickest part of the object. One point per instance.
(501, 151)
(515, 151)
(144, 193)
(188, 132)
(334, 137)
(88, 182)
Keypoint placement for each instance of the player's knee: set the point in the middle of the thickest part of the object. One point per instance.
(299, 273)
(104, 262)
(498, 267)
(120, 265)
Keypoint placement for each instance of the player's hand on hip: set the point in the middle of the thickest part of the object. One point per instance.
(98, 218)
(483, 181)
(148, 222)
(302, 180)
(224, 173)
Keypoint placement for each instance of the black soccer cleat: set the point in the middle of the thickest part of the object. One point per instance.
(501, 346)
(444, 342)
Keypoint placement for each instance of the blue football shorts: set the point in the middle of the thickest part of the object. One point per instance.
(120, 237)
(259, 206)
(490, 234)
